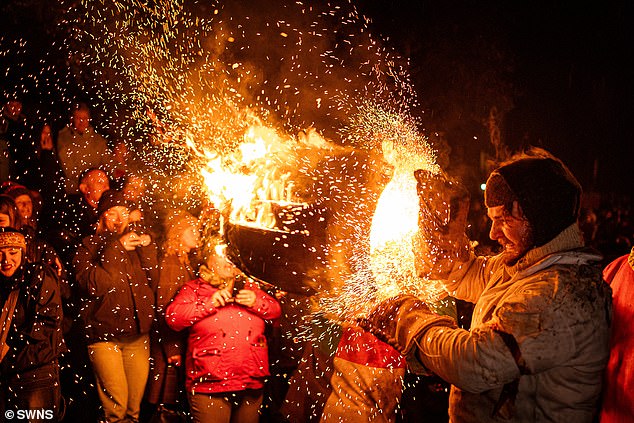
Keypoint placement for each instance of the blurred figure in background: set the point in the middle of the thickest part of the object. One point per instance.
(80, 148)
(167, 347)
(15, 147)
(25, 202)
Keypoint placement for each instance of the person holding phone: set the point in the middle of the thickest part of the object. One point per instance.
(227, 352)
(116, 271)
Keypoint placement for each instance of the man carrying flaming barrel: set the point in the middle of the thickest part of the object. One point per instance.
(538, 342)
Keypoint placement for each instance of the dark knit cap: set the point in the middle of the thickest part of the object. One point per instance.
(545, 189)
(109, 199)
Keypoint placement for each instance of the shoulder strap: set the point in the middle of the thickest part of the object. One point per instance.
(505, 406)
(7, 316)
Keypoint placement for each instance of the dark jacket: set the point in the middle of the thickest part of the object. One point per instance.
(35, 338)
(116, 287)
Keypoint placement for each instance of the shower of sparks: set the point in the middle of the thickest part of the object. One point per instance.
(388, 268)
(223, 93)
(225, 96)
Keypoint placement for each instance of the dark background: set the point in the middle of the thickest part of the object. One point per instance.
(565, 69)
(557, 72)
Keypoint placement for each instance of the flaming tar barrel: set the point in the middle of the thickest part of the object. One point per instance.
(289, 256)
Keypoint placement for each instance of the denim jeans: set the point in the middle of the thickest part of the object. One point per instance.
(121, 368)
(36, 390)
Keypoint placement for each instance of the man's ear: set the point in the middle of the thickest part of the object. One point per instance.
(83, 188)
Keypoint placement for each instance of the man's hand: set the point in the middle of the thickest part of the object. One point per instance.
(4, 220)
(135, 216)
(245, 297)
(145, 240)
(441, 239)
(130, 241)
(58, 267)
(46, 142)
(400, 320)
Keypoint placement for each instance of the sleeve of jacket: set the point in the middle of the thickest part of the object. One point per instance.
(67, 160)
(149, 262)
(107, 159)
(96, 274)
(467, 280)
(482, 359)
(265, 306)
(187, 308)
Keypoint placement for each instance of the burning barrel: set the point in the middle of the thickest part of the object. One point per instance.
(291, 255)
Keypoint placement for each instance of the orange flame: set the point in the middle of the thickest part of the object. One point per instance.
(257, 175)
(395, 224)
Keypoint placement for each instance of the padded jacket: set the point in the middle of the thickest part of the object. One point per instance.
(116, 287)
(538, 343)
(226, 347)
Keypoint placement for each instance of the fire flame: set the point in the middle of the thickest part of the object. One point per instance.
(396, 222)
(257, 176)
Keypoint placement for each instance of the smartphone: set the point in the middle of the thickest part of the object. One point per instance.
(238, 284)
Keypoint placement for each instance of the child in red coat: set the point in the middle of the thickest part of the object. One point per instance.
(227, 353)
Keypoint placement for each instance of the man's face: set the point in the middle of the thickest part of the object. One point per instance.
(10, 260)
(81, 120)
(512, 231)
(93, 186)
(25, 207)
(116, 219)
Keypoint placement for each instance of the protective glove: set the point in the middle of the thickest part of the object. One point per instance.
(443, 212)
(401, 320)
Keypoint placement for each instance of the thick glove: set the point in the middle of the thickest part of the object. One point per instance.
(444, 208)
(400, 320)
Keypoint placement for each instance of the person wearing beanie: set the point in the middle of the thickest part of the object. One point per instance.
(23, 198)
(116, 271)
(538, 342)
(31, 338)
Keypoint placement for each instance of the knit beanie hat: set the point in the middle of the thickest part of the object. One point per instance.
(545, 189)
(10, 237)
(109, 199)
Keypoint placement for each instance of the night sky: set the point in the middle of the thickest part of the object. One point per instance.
(569, 63)
(559, 73)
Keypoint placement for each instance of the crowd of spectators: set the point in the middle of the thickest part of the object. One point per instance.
(71, 203)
